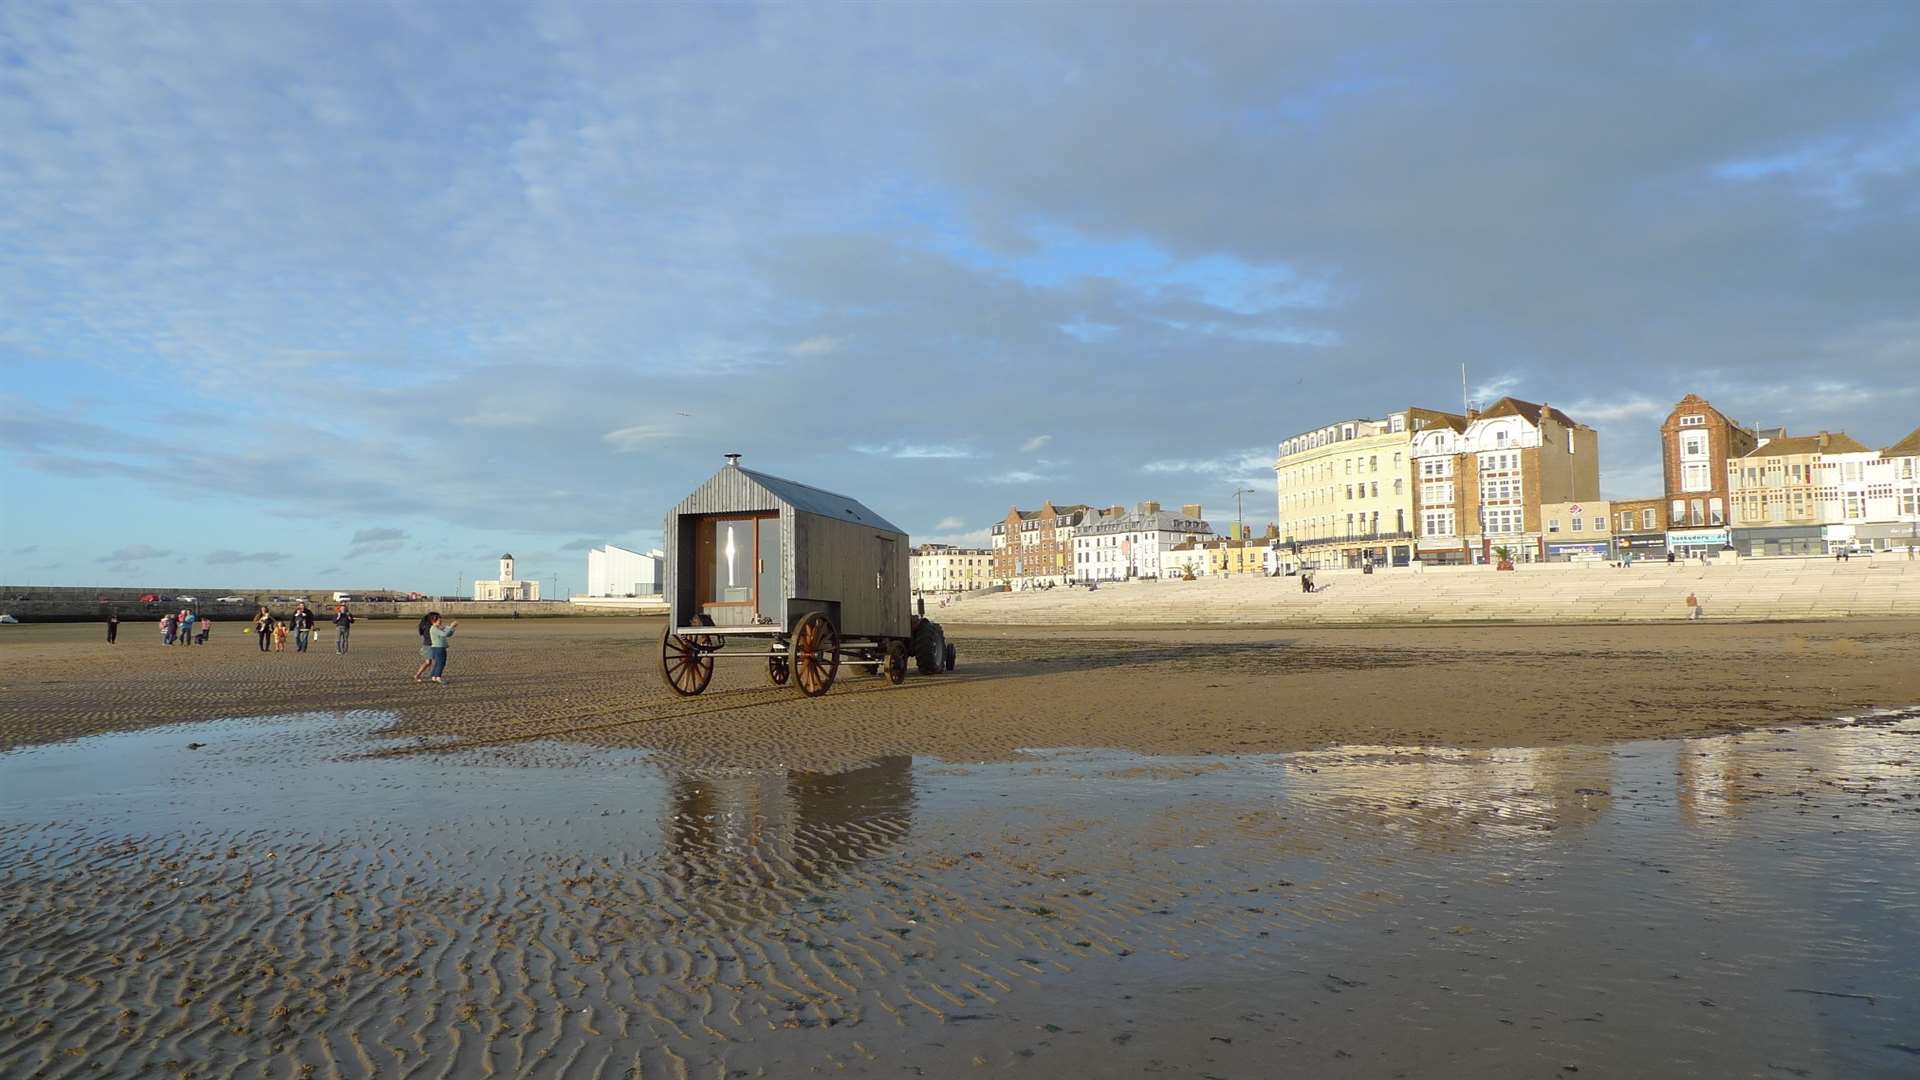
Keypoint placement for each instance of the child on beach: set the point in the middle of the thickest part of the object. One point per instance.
(1695, 611)
(279, 637)
(439, 635)
(426, 645)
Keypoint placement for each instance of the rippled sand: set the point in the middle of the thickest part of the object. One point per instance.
(398, 889)
(596, 681)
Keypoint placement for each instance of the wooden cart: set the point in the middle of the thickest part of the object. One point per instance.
(812, 579)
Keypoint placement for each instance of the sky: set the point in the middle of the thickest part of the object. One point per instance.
(362, 295)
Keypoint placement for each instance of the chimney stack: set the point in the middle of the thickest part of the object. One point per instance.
(1190, 511)
(733, 460)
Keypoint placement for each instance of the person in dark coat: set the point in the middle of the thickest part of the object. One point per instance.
(113, 626)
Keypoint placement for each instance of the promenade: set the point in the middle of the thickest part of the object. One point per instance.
(1770, 589)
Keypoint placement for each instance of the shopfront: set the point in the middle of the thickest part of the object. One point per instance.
(1581, 552)
(1685, 542)
(1898, 536)
(1780, 541)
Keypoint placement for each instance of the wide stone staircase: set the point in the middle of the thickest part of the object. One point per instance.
(1756, 589)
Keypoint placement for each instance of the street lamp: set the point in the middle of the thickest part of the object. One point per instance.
(1240, 525)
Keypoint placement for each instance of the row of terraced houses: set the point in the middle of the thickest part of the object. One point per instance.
(1521, 479)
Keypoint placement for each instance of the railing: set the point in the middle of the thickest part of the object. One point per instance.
(1356, 538)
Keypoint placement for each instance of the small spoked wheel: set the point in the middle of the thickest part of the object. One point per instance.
(686, 667)
(816, 654)
(896, 663)
(779, 670)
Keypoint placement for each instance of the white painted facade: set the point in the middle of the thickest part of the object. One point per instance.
(1114, 545)
(937, 568)
(507, 587)
(616, 571)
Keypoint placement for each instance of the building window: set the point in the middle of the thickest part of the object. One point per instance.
(1715, 515)
(1694, 476)
(1500, 438)
(1699, 512)
(1693, 446)
(1399, 486)
(1679, 516)
(1504, 520)
(1574, 526)
(1693, 421)
(1646, 519)
(1373, 462)
(1553, 524)
(1437, 522)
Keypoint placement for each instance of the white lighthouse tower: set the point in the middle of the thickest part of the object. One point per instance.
(506, 567)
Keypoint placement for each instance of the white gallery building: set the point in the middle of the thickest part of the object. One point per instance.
(615, 571)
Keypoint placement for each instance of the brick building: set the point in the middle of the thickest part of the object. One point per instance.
(1696, 442)
(1481, 484)
(1034, 546)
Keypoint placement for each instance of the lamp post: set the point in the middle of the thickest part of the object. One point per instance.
(1240, 525)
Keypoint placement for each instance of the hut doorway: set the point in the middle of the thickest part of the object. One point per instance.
(740, 566)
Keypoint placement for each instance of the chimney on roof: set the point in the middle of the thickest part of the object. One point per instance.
(733, 460)
(1116, 510)
(1823, 440)
(1472, 414)
(1190, 511)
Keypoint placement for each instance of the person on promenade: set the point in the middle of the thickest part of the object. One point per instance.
(1695, 610)
(263, 626)
(342, 626)
(302, 627)
(113, 627)
(439, 634)
(167, 628)
(426, 645)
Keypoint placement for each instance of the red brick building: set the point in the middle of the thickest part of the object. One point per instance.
(1696, 442)
(1036, 545)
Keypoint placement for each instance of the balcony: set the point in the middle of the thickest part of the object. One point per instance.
(1355, 540)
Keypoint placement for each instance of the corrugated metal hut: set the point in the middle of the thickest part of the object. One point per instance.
(752, 550)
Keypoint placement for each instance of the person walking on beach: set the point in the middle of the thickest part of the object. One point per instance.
(426, 645)
(167, 628)
(279, 637)
(187, 619)
(302, 627)
(342, 626)
(1695, 611)
(206, 630)
(113, 627)
(439, 634)
(263, 626)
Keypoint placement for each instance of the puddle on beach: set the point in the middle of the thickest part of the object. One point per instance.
(259, 897)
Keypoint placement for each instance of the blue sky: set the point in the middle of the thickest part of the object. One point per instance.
(363, 295)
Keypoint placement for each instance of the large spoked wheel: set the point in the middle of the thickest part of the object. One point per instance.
(816, 654)
(686, 667)
(896, 665)
(779, 670)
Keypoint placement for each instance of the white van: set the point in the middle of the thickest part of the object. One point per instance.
(342, 598)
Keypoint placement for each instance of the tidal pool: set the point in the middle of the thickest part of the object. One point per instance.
(302, 894)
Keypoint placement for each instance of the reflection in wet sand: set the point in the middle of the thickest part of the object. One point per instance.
(264, 898)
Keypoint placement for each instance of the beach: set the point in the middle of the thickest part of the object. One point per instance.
(1471, 851)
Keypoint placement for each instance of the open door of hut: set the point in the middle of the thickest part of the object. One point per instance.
(735, 576)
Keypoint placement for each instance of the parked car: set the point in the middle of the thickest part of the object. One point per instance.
(8, 620)
(186, 599)
(229, 599)
(149, 598)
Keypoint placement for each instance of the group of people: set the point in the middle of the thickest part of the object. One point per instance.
(273, 632)
(188, 627)
(185, 627)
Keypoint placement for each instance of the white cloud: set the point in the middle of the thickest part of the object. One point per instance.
(1595, 412)
(639, 436)
(974, 538)
(915, 452)
(229, 557)
(1035, 443)
(1486, 393)
(819, 345)
(1017, 476)
(948, 524)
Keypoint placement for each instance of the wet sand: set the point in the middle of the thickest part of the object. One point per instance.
(225, 864)
(1198, 691)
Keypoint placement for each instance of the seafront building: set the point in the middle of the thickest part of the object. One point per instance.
(937, 568)
(1032, 547)
(615, 571)
(1822, 493)
(507, 587)
(1578, 531)
(1116, 544)
(1212, 558)
(1345, 490)
(1696, 443)
(1484, 478)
